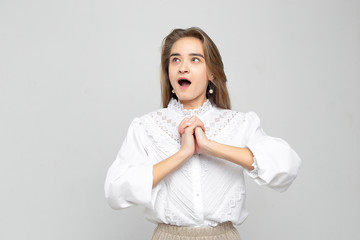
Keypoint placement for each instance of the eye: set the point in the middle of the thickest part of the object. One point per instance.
(175, 59)
(195, 59)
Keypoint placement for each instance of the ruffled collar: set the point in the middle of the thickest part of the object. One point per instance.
(179, 108)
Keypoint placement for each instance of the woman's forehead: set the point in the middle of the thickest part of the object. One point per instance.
(187, 45)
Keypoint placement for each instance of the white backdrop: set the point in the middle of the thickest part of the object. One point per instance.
(73, 74)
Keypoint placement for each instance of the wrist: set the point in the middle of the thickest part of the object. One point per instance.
(183, 154)
(209, 147)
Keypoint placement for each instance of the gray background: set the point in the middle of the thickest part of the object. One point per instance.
(73, 74)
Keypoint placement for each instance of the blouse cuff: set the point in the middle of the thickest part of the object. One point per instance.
(258, 172)
(277, 164)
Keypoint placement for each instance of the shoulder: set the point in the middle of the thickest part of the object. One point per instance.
(152, 114)
(141, 125)
(148, 118)
(251, 116)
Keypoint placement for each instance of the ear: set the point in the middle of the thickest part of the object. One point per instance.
(211, 77)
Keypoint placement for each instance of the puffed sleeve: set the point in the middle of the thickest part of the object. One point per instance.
(276, 164)
(129, 179)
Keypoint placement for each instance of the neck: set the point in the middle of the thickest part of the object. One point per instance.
(193, 104)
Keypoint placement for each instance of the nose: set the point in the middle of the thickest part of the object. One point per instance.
(184, 68)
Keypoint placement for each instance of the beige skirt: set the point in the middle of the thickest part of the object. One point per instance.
(224, 231)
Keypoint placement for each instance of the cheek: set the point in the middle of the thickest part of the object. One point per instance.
(173, 69)
(203, 76)
(171, 73)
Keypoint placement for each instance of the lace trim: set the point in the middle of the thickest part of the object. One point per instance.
(232, 203)
(171, 213)
(219, 123)
(179, 108)
(221, 129)
(173, 218)
(168, 124)
(159, 139)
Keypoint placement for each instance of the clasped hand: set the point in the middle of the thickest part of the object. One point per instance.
(192, 134)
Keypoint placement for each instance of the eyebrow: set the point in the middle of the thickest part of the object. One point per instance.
(190, 54)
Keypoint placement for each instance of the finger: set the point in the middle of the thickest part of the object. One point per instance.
(189, 131)
(194, 117)
(200, 124)
(189, 128)
(198, 130)
(193, 126)
(186, 119)
(186, 124)
(181, 125)
(193, 121)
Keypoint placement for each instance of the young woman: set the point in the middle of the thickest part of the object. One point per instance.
(185, 161)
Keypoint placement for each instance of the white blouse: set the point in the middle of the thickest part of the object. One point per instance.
(205, 190)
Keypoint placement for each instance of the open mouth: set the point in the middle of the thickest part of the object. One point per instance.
(184, 83)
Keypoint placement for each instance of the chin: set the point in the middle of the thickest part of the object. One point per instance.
(189, 95)
(187, 99)
(183, 97)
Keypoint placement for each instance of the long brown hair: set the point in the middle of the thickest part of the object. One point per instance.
(213, 61)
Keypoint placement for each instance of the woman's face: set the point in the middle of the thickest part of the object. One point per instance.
(188, 71)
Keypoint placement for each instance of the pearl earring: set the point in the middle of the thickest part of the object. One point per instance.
(211, 90)
(173, 91)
